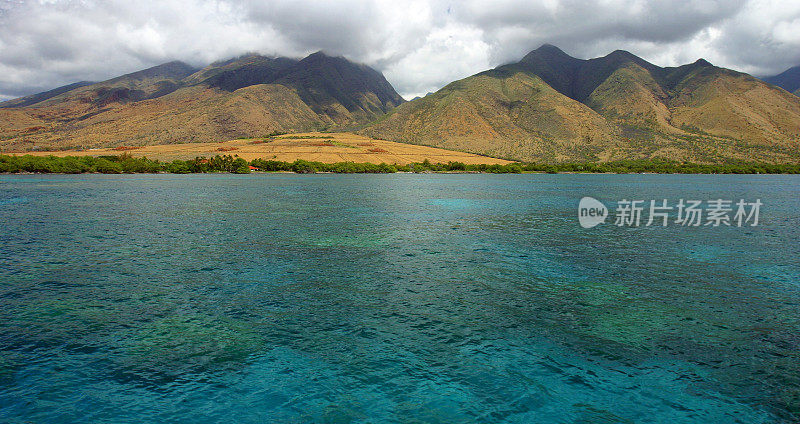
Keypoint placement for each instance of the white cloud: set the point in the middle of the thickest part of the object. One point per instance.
(419, 44)
(449, 53)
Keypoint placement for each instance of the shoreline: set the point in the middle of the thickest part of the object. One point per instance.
(398, 172)
(127, 164)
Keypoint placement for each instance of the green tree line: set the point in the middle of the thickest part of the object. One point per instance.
(125, 163)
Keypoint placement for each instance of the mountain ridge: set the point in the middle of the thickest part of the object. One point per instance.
(549, 106)
(250, 95)
(789, 80)
(618, 106)
(44, 95)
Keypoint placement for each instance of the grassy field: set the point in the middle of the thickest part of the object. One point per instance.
(318, 147)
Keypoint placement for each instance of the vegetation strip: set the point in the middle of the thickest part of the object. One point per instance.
(125, 163)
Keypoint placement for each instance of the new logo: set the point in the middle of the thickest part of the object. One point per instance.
(591, 212)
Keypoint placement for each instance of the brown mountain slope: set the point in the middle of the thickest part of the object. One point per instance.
(149, 83)
(737, 106)
(516, 117)
(245, 97)
(629, 109)
(192, 114)
(631, 95)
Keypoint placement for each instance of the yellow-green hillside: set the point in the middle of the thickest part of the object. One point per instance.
(552, 107)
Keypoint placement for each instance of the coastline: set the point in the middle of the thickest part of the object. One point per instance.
(127, 164)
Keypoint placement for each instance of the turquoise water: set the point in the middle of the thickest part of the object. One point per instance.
(392, 298)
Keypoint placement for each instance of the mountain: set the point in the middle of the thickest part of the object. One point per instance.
(148, 83)
(246, 96)
(547, 107)
(241, 72)
(40, 97)
(328, 83)
(788, 80)
(550, 106)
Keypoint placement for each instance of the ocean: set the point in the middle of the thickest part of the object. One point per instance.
(394, 298)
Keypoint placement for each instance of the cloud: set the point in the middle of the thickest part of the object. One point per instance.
(420, 45)
(451, 52)
(586, 28)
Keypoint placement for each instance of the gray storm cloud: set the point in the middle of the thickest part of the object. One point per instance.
(419, 45)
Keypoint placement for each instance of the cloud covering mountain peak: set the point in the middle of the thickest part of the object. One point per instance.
(420, 45)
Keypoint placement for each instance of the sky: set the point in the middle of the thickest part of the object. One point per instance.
(419, 45)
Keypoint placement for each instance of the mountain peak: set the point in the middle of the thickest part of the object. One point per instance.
(621, 54)
(321, 79)
(702, 62)
(243, 71)
(547, 47)
(170, 70)
(322, 58)
(321, 55)
(550, 56)
(546, 51)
